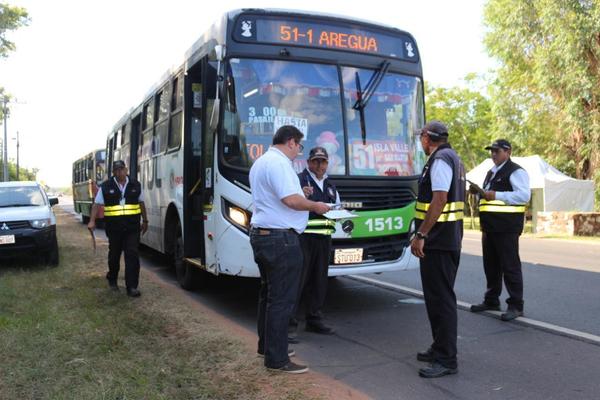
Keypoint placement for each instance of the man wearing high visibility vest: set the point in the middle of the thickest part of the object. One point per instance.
(123, 206)
(437, 242)
(316, 243)
(501, 216)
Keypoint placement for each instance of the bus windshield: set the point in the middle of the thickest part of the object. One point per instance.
(263, 95)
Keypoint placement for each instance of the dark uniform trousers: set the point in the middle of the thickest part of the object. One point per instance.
(279, 257)
(124, 241)
(438, 273)
(501, 259)
(316, 249)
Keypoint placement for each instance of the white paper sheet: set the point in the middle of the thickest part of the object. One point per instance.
(339, 214)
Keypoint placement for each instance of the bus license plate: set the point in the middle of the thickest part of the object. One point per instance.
(347, 256)
(7, 239)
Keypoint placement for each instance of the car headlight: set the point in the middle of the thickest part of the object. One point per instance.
(236, 215)
(40, 223)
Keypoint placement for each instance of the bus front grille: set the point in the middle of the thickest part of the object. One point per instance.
(367, 198)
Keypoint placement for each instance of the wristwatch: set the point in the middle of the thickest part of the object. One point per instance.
(419, 235)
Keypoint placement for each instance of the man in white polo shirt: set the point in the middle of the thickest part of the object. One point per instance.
(280, 215)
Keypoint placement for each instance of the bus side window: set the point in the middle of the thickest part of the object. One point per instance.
(176, 126)
(196, 125)
(161, 127)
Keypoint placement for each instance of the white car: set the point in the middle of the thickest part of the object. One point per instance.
(27, 222)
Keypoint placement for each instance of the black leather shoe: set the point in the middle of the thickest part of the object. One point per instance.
(318, 327)
(425, 356)
(113, 286)
(511, 314)
(484, 307)
(436, 370)
(133, 292)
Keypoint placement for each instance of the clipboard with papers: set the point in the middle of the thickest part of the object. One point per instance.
(339, 214)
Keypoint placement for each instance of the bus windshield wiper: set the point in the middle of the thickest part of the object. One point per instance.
(18, 205)
(374, 81)
(362, 98)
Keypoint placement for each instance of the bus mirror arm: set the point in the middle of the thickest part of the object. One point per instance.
(214, 116)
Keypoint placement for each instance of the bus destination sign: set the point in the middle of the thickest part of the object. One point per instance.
(325, 35)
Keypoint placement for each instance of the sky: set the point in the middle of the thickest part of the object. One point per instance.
(81, 65)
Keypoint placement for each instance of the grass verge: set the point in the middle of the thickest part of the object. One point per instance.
(64, 335)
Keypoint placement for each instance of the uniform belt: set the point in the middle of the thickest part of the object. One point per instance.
(267, 231)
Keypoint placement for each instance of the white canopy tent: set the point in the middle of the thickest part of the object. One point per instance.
(559, 191)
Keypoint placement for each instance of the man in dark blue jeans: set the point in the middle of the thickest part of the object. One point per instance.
(280, 215)
(279, 258)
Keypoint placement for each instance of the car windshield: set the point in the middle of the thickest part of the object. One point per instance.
(21, 196)
(263, 95)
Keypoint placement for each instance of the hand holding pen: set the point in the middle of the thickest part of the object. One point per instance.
(308, 189)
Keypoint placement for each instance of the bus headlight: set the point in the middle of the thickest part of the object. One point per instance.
(40, 223)
(236, 215)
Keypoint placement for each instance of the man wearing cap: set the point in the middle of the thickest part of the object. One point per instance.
(316, 242)
(280, 216)
(501, 216)
(123, 205)
(437, 243)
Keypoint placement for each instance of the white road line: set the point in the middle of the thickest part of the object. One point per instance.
(544, 326)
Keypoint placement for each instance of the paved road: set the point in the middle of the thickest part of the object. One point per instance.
(379, 332)
(561, 280)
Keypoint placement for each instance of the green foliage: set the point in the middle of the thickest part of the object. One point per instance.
(467, 114)
(24, 173)
(547, 92)
(11, 18)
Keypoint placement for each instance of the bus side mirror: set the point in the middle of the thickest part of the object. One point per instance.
(53, 201)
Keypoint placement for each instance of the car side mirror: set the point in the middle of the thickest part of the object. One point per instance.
(53, 201)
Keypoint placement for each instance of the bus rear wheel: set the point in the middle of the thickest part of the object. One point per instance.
(187, 275)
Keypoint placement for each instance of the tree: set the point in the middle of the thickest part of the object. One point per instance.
(547, 91)
(24, 173)
(11, 18)
(467, 113)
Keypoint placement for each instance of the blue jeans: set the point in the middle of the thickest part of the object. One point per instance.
(279, 258)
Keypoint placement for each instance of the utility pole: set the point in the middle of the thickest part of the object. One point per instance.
(17, 155)
(5, 153)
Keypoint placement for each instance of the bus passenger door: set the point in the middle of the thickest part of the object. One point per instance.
(197, 159)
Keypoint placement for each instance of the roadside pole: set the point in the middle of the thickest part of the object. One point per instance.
(5, 153)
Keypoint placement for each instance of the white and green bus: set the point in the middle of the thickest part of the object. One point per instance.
(351, 86)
